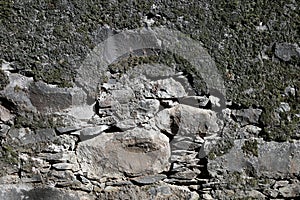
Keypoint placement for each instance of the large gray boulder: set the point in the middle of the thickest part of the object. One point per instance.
(134, 152)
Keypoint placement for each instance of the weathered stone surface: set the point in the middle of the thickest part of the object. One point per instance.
(53, 40)
(47, 98)
(134, 152)
(26, 136)
(290, 191)
(187, 121)
(66, 166)
(82, 112)
(269, 159)
(27, 191)
(17, 91)
(168, 88)
(68, 156)
(91, 132)
(3, 129)
(162, 191)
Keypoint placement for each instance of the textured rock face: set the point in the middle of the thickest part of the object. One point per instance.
(263, 159)
(134, 152)
(27, 191)
(109, 100)
(186, 120)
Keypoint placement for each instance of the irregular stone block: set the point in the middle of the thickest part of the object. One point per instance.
(26, 136)
(162, 191)
(47, 98)
(269, 159)
(168, 88)
(187, 121)
(134, 152)
(27, 191)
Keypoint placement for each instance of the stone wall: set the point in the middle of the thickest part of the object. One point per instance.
(149, 100)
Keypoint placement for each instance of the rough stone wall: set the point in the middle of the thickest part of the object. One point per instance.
(153, 124)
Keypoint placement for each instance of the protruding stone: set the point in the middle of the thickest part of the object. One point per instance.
(91, 132)
(168, 88)
(187, 121)
(134, 152)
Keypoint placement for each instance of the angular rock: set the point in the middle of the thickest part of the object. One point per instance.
(186, 120)
(4, 129)
(168, 88)
(91, 132)
(290, 91)
(194, 101)
(68, 156)
(17, 92)
(47, 98)
(186, 174)
(284, 107)
(134, 152)
(269, 159)
(162, 191)
(82, 112)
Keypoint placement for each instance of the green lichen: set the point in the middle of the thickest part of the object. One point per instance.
(3, 79)
(37, 121)
(163, 57)
(221, 148)
(250, 147)
(9, 155)
(67, 30)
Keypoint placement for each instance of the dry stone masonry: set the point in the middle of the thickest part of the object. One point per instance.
(147, 135)
(76, 124)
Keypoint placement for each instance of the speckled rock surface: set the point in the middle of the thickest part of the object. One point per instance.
(149, 99)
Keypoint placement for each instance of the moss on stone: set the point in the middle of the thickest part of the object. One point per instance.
(9, 155)
(221, 148)
(68, 30)
(3, 80)
(167, 58)
(37, 121)
(250, 147)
